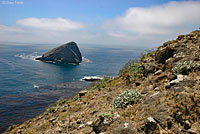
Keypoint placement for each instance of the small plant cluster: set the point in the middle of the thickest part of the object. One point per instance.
(76, 97)
(107, 115)
(168, 43)
(184, 67)
(102, 83)
(136, 70)
(51, 109)
(147, 53)
(127, 65)
(126, 98)
(180, 37)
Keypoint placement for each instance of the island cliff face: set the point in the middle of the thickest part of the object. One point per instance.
(66, 53)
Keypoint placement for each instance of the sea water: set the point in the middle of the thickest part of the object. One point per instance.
(21, 75)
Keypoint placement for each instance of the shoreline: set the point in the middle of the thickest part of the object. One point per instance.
(157, 94)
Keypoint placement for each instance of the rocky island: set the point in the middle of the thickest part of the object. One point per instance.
(66, 53)
(157, 94)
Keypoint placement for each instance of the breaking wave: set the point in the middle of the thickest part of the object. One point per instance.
(95, 77)
(85, 60)
(31, 56)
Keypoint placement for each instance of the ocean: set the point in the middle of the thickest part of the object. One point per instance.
(20, 73)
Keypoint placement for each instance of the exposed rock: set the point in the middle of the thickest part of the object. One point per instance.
(171, 61)
(86, 130)
(124, 128)
(149, 68)
(52, 119)
(161, 118)
(89, 123)
(156, 93)
(99, 126)
(147, 89)
(164, 54)
(78, 121)
(167, 86)
(187, 125)
(81, 126)
(179, 78)
(171, 76)
(176, 81)
(158, 72)
(160, 111)
(160, 77)
(150, 125)
(66, 53)
(83, 92)
(12, 127)
(137, 83)
(195, 129)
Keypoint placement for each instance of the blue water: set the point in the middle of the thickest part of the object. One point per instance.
(19, 72)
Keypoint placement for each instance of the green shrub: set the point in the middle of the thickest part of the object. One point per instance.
(127, 65)
(147, 53)
(76, 97)
(101, 83)
(136, 70)
(50, 109)
(106, 115)
(168, 43)
(184, 67)
(180, 37)
(126, 98)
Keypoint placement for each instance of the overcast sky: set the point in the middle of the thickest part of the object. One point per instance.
(96, 22)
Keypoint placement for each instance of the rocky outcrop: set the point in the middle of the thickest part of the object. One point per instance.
(66, 53)
(168, 80)
(164, 54)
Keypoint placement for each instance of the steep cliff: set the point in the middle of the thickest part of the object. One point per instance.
(66, 53)
(157, 94)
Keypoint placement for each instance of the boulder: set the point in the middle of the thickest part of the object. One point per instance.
(150, 125)
(83, 93)
(179, 79)
(149, 68)
(66, 53)
(98, 126)
(164, 54)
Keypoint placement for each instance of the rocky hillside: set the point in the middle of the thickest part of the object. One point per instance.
(158, 94)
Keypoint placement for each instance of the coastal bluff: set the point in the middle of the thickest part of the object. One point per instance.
(156, 94)
(66, 53)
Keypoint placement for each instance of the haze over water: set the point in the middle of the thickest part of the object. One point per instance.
(19, 72)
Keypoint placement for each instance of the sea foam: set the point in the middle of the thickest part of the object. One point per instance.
(85, 60)
(31, 56)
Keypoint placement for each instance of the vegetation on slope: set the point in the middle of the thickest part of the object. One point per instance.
(159, 94)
